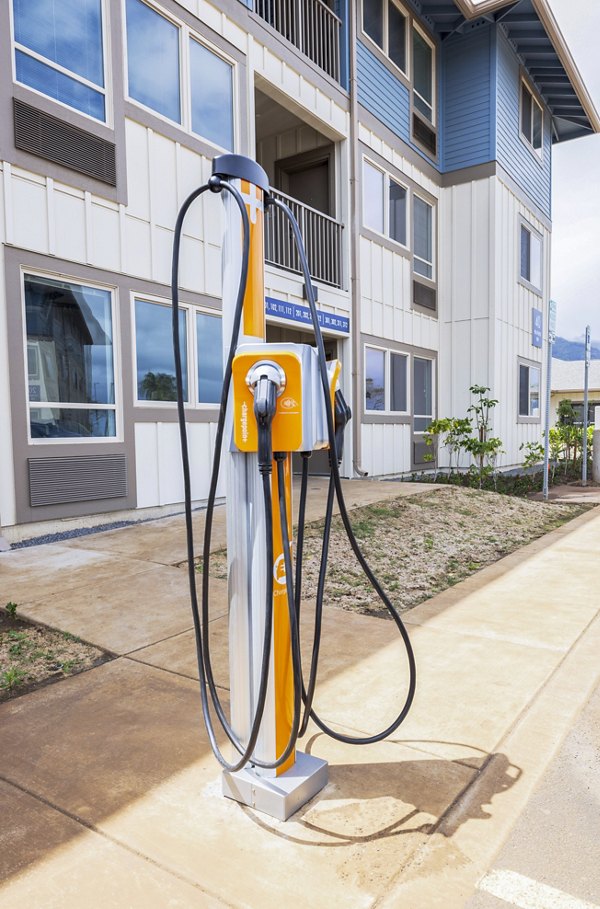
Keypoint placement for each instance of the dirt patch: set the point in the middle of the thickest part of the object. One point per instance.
(420, 545)
(31, 656)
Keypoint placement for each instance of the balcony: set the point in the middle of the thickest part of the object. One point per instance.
(322, 240)
(310, 25)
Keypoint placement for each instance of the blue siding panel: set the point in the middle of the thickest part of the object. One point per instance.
(385, 96)
(512, 152)
(466, 100)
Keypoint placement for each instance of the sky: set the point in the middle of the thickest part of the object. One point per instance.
(576, 187)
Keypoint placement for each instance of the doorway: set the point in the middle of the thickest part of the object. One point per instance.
(309, 178)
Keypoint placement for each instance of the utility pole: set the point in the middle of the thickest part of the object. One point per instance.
(588, 354)
(551, 336)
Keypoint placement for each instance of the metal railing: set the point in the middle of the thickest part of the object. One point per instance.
(322, 240)
(310, 26)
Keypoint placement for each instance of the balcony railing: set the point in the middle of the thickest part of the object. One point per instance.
(322, 240)
(310, 26)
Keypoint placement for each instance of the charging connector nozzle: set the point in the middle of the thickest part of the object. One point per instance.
(267, 381)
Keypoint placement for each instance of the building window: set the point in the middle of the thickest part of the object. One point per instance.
(384, 204)
(153, 60)
(59, 52)
(385, 22)
(212, 95)
(423, 237)
(423, 74)
(174, 74)
(530, 257)
(386, 381)
(70, 366)
(422, 393)
(201, 353)
(209, 345)
(155, 360)
(532, 119)
(529, 391)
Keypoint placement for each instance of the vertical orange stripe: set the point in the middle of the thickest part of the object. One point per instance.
(254, 299)
(283, 670)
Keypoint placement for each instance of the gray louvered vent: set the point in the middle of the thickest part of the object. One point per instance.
(76, 479)
(55, 140)
(420, 449)
(424, 296)
(424, 135)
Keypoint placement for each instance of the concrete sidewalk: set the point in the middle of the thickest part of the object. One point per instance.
(111, 797)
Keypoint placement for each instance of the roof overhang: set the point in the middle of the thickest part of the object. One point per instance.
(534, 32)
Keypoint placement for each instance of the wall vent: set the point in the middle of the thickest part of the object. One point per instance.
(55, 140)
(424, 296)
(424, 135)
(54, 481)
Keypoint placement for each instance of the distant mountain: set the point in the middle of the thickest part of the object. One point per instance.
(572, 350)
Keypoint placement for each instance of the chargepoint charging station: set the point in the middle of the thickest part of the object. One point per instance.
(276, 399)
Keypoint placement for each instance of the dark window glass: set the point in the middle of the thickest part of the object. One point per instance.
(422, 393)
(209, 335)
(422, 75)
(536, 138)
(398, 364)
(397, 212)
(526, 111)
(212, 96)
(373, 20)
(153, 60)
(422, 238)
(374, 379)
(523, 391)
(154, 350)
(396, 36)
(69, 358)
(525, 253)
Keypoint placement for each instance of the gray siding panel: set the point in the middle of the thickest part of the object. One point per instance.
(512, 152)
(466, 91)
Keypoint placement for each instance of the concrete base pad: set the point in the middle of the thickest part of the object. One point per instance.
(280, 796)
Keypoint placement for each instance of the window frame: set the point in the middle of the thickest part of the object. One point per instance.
(386, 34)
(105, 90)
(387, 176)
(415, 416)
(117, 407)
(538, 152)
(527, 282)
(415, 25)
(191, 347)
(387, 373)
(529, 365)
(186, 35)
(417, 274)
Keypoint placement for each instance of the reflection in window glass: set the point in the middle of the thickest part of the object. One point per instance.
(153, 60)
(69, 358)
(397, 228)
(526, 101)
(373, 20)
(423, 237)
(531, 257)
(209, 335)
(374, 379)
(212, 96)
(536, 127)
(154, 352)
(397, 36)
(422, 75)
(422, 393)
(372, 197)
(66, 34)
(529, 391)
(398, 377)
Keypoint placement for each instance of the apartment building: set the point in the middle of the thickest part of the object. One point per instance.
(412, 139)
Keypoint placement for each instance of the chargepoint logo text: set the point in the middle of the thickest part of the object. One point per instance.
(244, 422)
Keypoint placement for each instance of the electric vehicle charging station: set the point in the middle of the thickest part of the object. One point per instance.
(276, 399)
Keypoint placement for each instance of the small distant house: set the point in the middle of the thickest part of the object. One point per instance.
(567, 383)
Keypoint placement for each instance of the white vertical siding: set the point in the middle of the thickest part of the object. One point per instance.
(7, 489)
